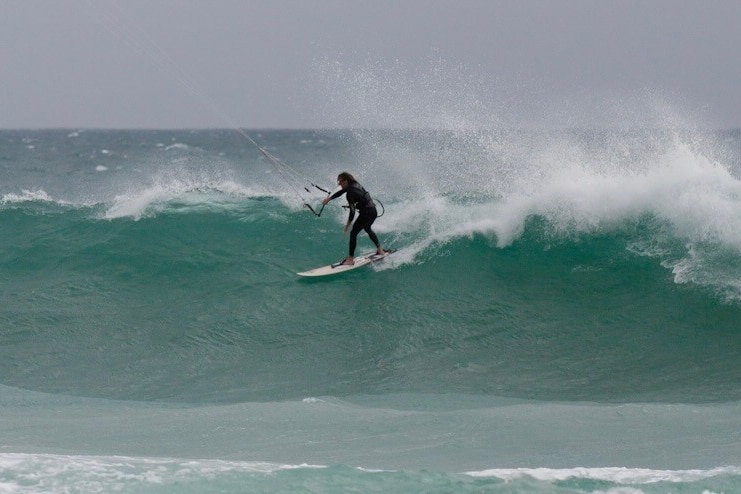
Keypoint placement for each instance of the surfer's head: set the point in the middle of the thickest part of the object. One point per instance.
(344, 179)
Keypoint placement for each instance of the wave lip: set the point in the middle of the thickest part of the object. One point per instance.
(180, 194)
(28, 196)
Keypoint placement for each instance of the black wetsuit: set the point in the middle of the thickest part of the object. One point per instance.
(358, 198)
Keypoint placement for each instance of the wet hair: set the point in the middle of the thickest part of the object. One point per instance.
(346, 176)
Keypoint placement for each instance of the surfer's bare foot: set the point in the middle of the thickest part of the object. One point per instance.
(348, 261)
(380, 251)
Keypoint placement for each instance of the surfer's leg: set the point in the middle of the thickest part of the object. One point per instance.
(371, 234)
(374, 238)
(350, 259)
(356, 227)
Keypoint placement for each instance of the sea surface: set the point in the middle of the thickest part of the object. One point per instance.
(563, 313)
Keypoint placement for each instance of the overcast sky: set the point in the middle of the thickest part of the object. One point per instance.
(330, 63)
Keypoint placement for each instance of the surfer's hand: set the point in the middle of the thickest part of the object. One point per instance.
(325, 201)
(347, 227)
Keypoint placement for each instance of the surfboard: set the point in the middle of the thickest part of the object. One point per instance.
(338, 268)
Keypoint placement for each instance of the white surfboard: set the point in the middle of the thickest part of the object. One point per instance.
(338, 268)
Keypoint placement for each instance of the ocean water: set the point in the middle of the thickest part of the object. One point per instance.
(563, 313)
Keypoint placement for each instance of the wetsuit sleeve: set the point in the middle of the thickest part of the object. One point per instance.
(352, 214)
(337, 194)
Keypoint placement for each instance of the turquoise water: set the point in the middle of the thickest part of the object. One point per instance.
(561, 316)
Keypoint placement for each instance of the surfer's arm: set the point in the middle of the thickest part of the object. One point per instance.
(350, 218)
(333, 196)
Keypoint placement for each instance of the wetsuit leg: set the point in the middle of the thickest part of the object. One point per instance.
(354, 237)
(364, 222)
(372, 235)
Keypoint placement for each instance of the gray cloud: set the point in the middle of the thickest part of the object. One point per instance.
(283, 63)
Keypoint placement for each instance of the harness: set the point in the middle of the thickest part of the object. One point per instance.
(364, 201)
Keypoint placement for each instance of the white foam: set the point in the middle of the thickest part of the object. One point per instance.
(700, 198)
(312, 400)
(27, 196)
(187, 192)
(576, 189)
(619, 475)
(62, 473)
(177, 146)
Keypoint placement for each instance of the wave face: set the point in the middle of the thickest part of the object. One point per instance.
(567, 272)
(157, 269)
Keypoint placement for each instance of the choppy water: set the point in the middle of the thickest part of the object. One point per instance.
(562, 314)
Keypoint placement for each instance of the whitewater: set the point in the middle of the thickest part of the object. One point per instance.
(561, 314)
